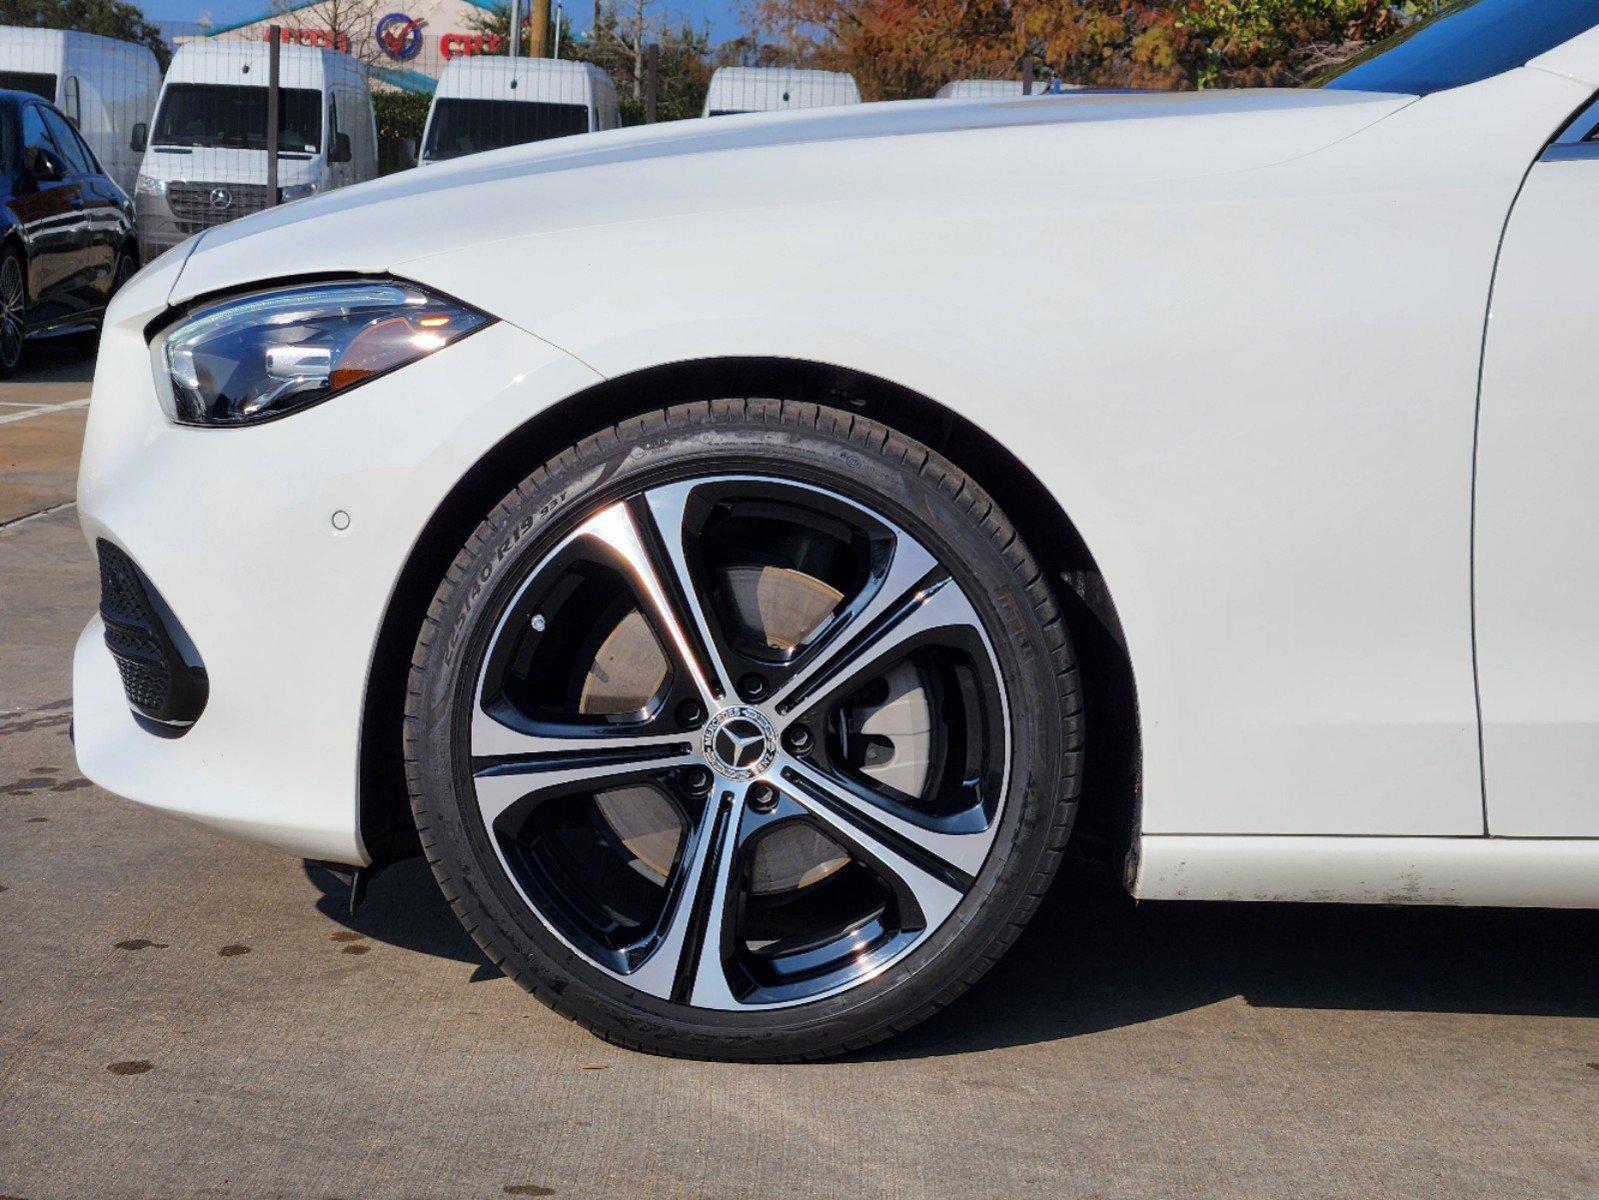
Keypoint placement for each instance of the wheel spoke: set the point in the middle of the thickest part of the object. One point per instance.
(687, 962)
(935, 868)
(909, 567)
(917, 606)
(616, 528)
(668, 508)
(562, 764)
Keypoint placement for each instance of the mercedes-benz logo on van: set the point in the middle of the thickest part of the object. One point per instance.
(221, 199)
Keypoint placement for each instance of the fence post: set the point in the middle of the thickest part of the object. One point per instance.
(539, 29)
(274, 41)
(1027, 75)
(652, 81)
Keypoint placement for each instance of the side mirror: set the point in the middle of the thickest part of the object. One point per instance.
(340, 151)
(141, 135)
(45, 167)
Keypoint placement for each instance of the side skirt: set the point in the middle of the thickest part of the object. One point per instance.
(1509, 872)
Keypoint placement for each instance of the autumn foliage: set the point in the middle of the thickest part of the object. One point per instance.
(906, 48)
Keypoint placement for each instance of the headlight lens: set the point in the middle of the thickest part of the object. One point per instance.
(296, 191)
(145, 185)
(251, 358)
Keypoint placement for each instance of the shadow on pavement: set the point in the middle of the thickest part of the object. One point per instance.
(405, 908)
(1093, 959)
(59, 360)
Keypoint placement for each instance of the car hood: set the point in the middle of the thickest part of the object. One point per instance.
(655, 172)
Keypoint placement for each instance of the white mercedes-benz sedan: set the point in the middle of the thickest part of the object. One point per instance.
(737, 553)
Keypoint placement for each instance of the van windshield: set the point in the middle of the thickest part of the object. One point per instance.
(226, 116)
(36, 82)
(470, 126)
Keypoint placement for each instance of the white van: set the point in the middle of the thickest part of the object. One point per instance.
(205, 159)
(485, 103)
(105, 87)
(982, 89)
(776, 89)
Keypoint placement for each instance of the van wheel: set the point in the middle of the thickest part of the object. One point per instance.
(744, 730)
(13, 309)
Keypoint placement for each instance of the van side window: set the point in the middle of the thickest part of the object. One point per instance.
(71, 102)
(333, 119)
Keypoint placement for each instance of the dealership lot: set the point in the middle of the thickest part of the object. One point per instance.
(182, 1015)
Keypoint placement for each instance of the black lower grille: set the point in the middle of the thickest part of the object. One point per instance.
(162, 675)
(197, 206)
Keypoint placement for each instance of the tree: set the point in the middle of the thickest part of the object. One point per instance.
(351, 25)
(108, 18)
(906, 48)
(617, 44)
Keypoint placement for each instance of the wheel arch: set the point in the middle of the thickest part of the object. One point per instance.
(1107, 823)
(11, 238)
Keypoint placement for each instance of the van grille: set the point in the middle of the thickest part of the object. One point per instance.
(195, 206)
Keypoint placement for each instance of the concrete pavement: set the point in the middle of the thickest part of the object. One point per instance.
(185, 1016)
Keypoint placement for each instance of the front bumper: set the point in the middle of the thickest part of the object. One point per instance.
(235, 528)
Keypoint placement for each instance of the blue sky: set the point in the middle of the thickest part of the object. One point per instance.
(722, 14)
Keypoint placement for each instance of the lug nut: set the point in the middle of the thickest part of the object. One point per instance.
(762, 798)
(752, 687)
(697, 780)
(690, 714)
(798, 739)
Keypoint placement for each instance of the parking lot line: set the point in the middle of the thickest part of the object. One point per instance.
(40, 411)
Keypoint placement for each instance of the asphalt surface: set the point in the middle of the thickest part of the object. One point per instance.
(185, 1016)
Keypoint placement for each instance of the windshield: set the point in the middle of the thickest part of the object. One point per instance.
(469, 126)
(1467, 41)
(28, 81)
(228, 117)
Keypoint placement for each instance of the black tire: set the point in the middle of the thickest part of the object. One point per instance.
(13, 293)
(127, 267)
(922, 494)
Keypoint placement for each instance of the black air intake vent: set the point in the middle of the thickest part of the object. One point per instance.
(161, 672)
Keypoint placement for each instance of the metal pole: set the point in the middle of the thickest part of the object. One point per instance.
(516, 28)
(274, 42)
(1027, 75)
(652, 80)
(560, 11)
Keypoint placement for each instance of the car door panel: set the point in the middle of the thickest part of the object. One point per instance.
(1537, 513)
(86, 285)
(53, 227)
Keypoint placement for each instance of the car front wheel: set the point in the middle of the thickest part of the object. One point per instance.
(13, 311)
(744, 730)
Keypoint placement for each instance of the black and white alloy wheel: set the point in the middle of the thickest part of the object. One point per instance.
(744, 730)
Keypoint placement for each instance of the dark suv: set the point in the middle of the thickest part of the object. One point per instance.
(66, 230)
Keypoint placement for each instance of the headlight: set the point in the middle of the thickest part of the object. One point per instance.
(296, 191)
(251, 358)
(146, 186)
